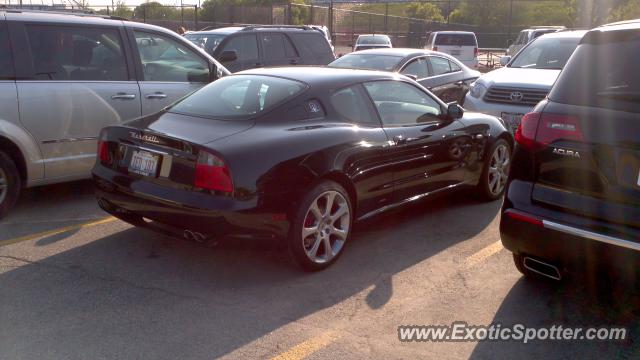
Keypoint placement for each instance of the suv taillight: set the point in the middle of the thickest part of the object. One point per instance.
(537, 130)
(103, 148)
(435, 48)
(212, 173)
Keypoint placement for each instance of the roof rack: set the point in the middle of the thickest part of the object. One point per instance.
(61, 11)
(301, 27)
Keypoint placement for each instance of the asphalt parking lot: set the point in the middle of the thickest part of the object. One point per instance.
(79, 285)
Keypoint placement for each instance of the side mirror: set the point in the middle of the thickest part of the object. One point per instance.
(228, 55)
(454, 111)
(505, 60)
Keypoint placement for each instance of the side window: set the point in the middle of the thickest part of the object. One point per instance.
(6, 60)
(289, 50)
(439, 65)
(273, 46)
(165, 59)
(454, 66)
(72, 53)
(402, 104)
(417, 67)
(245, 46)
(311, 44)
(351, 105)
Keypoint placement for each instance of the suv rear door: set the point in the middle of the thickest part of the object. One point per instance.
(168, 69)
(74, 80)
(591, 165)
(277, 49)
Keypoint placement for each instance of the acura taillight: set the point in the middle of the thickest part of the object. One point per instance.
(212, 173)
(103, 148)
(538, 130)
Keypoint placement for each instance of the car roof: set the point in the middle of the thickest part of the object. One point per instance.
(265, 28)
(455, 32)
(373, 35)
(321, 75)
(620, 25)
(565, 34)
(401, 52)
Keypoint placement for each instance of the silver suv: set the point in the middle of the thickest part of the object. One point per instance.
(63, 77)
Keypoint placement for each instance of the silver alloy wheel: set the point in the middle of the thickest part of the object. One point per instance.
(4, 185)
(326, 226)
(499, 169)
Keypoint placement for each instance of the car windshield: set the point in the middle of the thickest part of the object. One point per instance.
(373, 40)
(456, 39)
(367, 61)
(546, 53)
(209, 42)
(238, 97)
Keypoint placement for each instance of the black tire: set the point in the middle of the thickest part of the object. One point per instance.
(10, 178)
(297, 246)
(484, 188)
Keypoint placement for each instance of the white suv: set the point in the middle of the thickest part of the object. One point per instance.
(462, 45)
(512, 91)
(63, 77)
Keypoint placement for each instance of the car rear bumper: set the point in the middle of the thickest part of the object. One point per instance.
(175, 212)
(566, 240)
(470, 63)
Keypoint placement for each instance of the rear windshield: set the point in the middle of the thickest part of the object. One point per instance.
(374, 40)
(456, 40)
(602, 75)
(367, 61)
(546, 53)
(238, 97)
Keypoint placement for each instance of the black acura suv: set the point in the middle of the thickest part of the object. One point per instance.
(573, 198)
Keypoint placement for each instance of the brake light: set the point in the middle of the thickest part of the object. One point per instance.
(435, 48)
(475, 52)
(537, 130)
(103, 148)
(212, 173)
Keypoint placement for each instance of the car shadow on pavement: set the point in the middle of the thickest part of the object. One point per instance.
(137, 294)
(582, 301)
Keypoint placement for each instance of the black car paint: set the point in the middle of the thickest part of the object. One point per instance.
(274, 161)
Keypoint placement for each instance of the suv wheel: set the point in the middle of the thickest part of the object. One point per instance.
(321, 226)
(9, 184)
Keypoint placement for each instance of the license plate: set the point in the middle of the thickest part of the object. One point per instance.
(512, 120)
(455, 52)
(143, 163)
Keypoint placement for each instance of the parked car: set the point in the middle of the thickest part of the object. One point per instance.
(573, 200)
(442, 74)
(295, 153)
(248, 47)
(527, 35)
(463, 45)
(64, 77)
(513, 90)
(372, 41)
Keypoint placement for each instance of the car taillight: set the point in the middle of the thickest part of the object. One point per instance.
(212, 173)
(103, 148)
(435, 48)
(537, 130)
(475, 52)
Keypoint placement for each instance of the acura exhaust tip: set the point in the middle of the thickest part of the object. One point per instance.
(542, 268)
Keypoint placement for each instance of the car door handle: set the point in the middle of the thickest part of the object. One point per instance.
(157, 95)
(123, 96)
(399, 140)
(460, 83)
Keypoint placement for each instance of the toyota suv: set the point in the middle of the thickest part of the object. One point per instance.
(65, 76)
(512, 91)
(248, 47)
(573, 198)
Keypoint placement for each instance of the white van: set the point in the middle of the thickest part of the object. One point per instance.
(462, 45)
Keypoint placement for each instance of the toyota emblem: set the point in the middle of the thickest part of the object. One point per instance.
(516, 96)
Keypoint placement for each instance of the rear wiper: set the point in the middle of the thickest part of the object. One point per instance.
(621, 95)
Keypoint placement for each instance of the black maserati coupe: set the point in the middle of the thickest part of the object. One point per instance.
(296, 154)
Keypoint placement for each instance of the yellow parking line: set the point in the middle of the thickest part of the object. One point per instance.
(308, 347)
(483, 254)
(57, 231)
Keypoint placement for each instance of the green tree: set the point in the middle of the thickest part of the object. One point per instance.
(156, 11)
(425, 11)
(626, 11)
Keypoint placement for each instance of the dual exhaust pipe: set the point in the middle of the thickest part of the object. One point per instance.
(542, 268)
